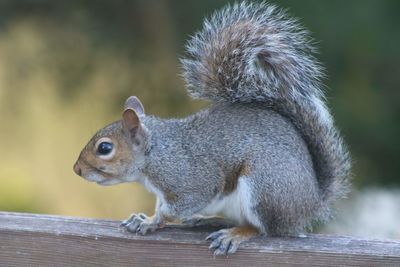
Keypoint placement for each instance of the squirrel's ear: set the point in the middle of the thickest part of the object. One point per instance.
(134, 103)
(130, 120)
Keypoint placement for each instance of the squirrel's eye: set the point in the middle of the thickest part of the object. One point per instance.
(105, 148)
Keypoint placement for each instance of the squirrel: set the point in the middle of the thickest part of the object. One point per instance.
(266, 154)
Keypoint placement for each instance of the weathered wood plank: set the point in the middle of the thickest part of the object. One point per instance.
(42, 240)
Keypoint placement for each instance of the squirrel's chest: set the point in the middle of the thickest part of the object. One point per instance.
(232, 206)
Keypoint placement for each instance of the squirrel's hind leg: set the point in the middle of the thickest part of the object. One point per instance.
(227, 241)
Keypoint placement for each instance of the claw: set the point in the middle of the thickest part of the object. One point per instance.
(142, 229)
(220, 251)
(133, 226)
(129, 220)
(233, 246)
(223, 246)
(145, 228)
(215, 244)
(216, 234)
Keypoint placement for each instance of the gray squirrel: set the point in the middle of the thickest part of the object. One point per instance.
(265, 155)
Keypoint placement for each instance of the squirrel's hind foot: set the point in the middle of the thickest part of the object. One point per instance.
(227, 241)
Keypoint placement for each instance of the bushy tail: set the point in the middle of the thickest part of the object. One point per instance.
(254, 53)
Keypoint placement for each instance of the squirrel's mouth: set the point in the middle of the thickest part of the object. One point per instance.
(92, 177)
(108, 182)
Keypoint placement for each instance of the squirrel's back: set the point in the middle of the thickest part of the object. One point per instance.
(254, 53)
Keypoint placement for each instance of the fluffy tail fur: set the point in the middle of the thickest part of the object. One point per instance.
(254, 53)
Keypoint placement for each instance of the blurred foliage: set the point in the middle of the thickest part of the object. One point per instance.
(67, 66)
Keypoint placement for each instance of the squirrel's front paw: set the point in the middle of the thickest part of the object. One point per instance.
(140, 224)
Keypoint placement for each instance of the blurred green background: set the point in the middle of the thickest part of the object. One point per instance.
(66, 68)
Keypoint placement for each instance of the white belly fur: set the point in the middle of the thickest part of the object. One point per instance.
(236, 206)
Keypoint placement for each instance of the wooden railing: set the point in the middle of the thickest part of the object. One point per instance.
(42, 240)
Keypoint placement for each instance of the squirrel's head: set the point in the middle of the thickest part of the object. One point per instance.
(115, 154)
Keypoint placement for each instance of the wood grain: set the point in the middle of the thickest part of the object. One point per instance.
(43, 240)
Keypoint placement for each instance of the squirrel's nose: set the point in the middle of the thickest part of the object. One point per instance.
(77, 169)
